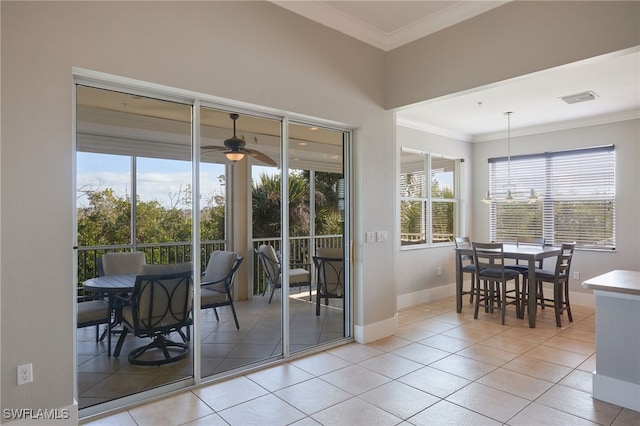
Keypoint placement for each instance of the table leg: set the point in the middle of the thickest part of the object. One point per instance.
(532, 304)
(458, 282)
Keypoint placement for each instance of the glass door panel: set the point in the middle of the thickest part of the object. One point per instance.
(129, 148)
(249, 156)
(317, 236)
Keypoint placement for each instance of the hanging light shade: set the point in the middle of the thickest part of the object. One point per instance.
(509, 190)
(234, 155)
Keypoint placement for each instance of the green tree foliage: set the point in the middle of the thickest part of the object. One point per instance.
(266, 205)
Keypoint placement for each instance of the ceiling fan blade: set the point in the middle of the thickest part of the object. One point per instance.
(260, 156)
(213, 148)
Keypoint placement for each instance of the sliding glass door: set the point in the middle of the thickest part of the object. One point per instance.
(182, 180)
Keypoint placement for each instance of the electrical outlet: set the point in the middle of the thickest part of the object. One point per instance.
(25, 374)
(576, 275)
(439, 271)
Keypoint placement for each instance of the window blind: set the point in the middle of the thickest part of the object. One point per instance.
(577, 197)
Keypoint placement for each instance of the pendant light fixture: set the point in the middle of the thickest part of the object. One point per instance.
(509, 188)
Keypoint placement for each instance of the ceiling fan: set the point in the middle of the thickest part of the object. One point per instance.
(234, 148)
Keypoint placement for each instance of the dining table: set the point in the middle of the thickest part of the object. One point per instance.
(111, 285)
(529, 254)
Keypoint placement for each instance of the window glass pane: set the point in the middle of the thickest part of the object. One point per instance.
(518, 220)
(412, 222)
(442, 177)
(576, 202)
(442, 222)
(103, 199)
(412, 174)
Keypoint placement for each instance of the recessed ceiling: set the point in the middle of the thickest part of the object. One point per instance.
(477, 114)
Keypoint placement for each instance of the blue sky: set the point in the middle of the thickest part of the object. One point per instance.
(158, 179)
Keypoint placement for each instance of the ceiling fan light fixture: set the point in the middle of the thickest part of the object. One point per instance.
(234, 156)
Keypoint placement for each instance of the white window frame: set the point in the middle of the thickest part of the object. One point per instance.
(560, 178)
(428, 201)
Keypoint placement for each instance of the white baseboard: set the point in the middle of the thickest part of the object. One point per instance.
(373, 332)
(425, 296)
(437, 293)
(615, 391)
(386, 328)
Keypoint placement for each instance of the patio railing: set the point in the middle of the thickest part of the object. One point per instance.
(162, 253)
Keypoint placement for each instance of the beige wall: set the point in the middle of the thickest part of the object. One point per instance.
(416, 269)
(625, 135)
(251, 52)
(248, 51)
(518, 38)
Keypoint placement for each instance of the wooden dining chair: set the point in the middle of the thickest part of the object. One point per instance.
(490, 269)
(467, 266)
(560, 280)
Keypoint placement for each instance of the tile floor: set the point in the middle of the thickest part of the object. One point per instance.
(102, 379)
(439, 368)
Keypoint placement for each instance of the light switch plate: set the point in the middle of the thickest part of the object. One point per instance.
(371, 237)
(381, 236)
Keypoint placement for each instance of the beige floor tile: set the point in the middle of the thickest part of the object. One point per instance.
(572, 345)
(437, 354)
(210, 420)
(446, 343)
(627, 418)
(355, 412)
(432, 324)
(490, 402)
(538, 414)
(320, 363)
(390, 365)
(418, 352)
(589, 365)
(446, 413)
(580, 404)
(580, 380)
(538, 368)
(389, 344)
(279, 376)
(355, 379)
(414, 332)
(312, 395)
(487, 354)
(463, 367)
(399, 399)
(468, 334)
(229, 393)
(516, 383)
(557, 356)
(265, 410)
(355, 352)
(453, 317)
(183, 408)
(436, 382)
(534, 335)
(119, 419)
(517, 346)
(578, 334)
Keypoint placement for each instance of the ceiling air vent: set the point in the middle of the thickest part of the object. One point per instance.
(579, 97)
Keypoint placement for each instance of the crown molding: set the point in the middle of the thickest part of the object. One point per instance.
(323, 13)
(525, 131)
